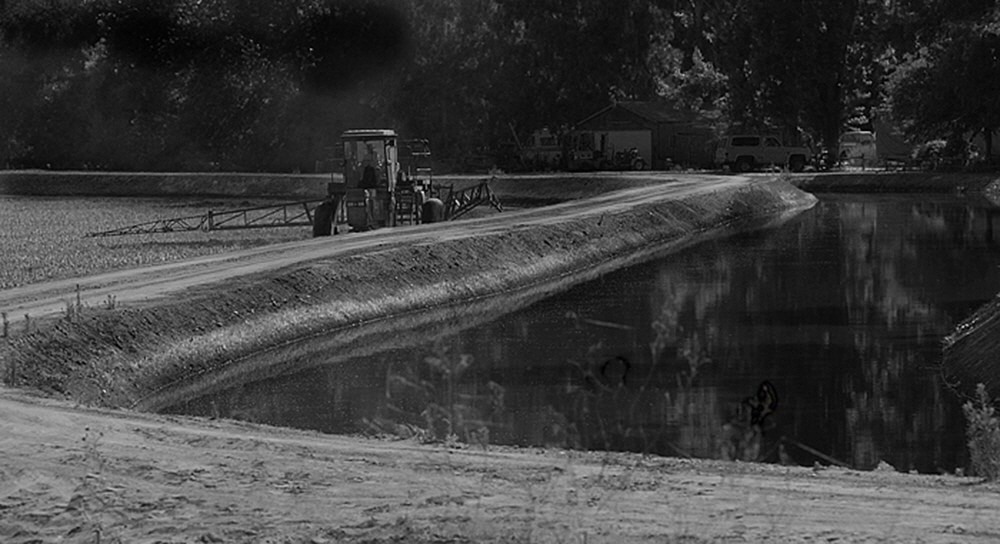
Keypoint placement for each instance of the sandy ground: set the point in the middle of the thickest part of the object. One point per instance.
(71, 473)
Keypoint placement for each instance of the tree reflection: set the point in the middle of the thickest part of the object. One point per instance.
(842, 310)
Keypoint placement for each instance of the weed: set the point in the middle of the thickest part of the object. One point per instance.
(91, 497)
(91, 442)
(72, 312)
(9, 369)
(434, 401)
(983, 433)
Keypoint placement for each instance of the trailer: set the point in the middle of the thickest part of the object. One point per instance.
(884, 146)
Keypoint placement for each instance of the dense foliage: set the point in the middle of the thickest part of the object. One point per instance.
(245, 85)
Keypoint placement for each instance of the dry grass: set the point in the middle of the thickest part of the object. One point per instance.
(44, 238)
(983, 433)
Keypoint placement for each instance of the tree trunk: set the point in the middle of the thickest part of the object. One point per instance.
(988, 143)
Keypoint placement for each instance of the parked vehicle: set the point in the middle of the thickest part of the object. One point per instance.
(541, 151)
(857, 148)
(595, 150)
(744, 153)
(628, 159)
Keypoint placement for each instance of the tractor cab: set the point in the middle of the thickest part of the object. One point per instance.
(370, 160)
(371, 169)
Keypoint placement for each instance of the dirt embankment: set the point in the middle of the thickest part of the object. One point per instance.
(898, 182)
(122, 356)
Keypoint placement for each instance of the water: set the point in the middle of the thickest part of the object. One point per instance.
(842, 311)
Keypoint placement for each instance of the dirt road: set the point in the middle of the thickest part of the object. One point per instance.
(47, 300)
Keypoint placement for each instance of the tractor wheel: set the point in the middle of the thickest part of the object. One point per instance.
(638, 164)
(432, 211)
(323, 220)
(797, 163)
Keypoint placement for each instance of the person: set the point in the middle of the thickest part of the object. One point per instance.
(368, 178)
(369, 165)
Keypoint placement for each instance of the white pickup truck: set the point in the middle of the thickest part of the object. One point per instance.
(744, 153)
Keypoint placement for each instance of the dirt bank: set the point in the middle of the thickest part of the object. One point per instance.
(240, 319)
(897, 182)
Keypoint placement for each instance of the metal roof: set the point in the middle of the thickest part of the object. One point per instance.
(368, 133)
(655, 112)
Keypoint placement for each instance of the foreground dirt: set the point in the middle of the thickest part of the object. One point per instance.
(73, 474)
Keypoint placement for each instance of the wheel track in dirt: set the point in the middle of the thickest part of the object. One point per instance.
(137, 285)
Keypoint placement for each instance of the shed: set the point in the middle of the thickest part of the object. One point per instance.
(663, 134)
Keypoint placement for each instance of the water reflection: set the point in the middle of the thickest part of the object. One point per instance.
(842, 310)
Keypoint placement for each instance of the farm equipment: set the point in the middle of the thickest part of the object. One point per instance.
(276, 215)
(386, 182)
(385, 186)
(598, 151)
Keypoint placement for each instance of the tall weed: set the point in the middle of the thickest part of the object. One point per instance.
(983, 433)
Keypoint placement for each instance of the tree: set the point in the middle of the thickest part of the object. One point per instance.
(564, 64)
(952, 85)
(786, 62)
(182, 84)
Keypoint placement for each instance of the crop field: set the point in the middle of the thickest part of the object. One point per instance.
(44, 238)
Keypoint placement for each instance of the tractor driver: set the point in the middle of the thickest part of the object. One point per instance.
(369, 168)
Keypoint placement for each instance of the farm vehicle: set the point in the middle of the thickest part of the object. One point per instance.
(575, 151)
(599, 151)
(386, 182)
(744, 153)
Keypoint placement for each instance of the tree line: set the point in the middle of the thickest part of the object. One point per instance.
(242, 85)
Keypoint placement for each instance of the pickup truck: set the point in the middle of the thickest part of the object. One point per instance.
(744, 153)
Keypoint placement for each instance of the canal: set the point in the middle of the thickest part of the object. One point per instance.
(840, 312)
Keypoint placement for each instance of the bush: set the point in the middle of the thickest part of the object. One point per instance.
(983, 433)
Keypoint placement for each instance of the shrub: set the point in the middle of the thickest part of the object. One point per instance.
(983, 433)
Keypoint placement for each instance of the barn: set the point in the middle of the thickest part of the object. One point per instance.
(663, 135)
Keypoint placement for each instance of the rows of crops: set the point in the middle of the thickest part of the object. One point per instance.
(43, 239)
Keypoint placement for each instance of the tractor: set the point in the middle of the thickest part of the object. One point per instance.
(386, 182)
(376, 190)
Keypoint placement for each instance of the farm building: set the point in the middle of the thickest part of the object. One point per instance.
(662, 134)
